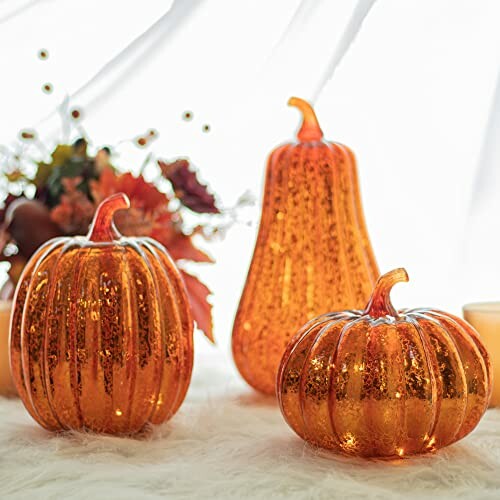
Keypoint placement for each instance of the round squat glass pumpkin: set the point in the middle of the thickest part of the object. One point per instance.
(383, 383)
(101, 332)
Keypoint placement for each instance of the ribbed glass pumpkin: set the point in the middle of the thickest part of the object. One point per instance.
(101, 333)
(312, 252)
(382, 383)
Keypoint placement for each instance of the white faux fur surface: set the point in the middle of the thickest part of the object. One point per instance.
(228, 442)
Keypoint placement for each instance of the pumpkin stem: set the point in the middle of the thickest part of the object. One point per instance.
(310, 130)
(380, 302)
(103, 228)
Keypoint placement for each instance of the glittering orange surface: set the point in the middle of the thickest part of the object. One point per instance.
(382, 383)
(312, 252)
(101, 334)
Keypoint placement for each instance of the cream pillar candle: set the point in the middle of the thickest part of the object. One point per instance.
(485, 318)
(6, 385)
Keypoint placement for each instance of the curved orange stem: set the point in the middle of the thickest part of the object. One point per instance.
(380, 302)
(310, 130)
(103, 228)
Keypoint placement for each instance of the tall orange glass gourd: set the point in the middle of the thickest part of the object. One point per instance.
(312, 253)
(101, 332)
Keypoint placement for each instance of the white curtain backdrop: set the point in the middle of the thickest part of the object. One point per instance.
(412, 95)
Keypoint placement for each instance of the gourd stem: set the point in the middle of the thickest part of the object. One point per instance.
(310, 130)
(380, 302)
(103, 228)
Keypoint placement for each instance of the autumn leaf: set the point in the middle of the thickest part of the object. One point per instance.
(181, 247)
(142, 194)
(200, 307)
(187, 188)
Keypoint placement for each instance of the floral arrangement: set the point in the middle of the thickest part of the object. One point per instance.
(59, 197)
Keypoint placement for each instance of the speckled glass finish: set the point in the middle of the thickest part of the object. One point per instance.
(382, 383)
(101, 333)
(312, 252)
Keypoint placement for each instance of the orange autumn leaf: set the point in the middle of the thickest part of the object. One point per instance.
(142, 194)
(181, 247)
(200, 307)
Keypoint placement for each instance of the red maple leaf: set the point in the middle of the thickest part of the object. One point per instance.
(200, 308)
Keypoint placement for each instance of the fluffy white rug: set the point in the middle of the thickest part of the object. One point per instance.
(228, 442)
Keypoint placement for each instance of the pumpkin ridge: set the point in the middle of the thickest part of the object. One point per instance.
(78, 273)
(334, 361)
(132, 341)
(164, 329)
(461, 368)
(294, 348)
(297, 338)
(472, 335)
(442, 337)
(320, 289)
(301, 271)
(363, 266)
(344, 288)
(427, 361)
(461, 331)
(186, 334)
(48, 314)
(54, 334)
(16, 328)
(343, 168)
(397, 370)
(322, 240)
(144, 412)
(92, 280)
(25, 348)
(404, 381)
(175, 277)
(436, 384)
(372, 265)
(308, 414)
(303, 378)
(353, 258)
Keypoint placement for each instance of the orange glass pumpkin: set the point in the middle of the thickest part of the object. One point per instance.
(312, 252)
(382, 383)
(101, 333)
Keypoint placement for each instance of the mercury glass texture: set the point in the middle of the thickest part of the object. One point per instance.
(382, 383)
(101, 333)
(312, 252)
